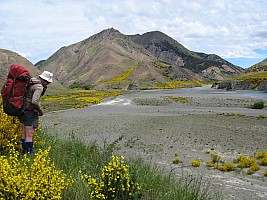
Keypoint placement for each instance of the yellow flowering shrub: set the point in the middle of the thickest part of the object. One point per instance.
(230, 166)
(76, 99)
(93, 100)
(245, 162)
(227, 167)
(178, 99)
(10, 131)
(253, 168)
(196, 162)
(172, 84)
(221, 168)
(210, 164)
(114, 182)
(262, 156)
(31, 179)
(120, 78)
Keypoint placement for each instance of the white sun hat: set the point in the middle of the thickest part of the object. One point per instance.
(46, 75)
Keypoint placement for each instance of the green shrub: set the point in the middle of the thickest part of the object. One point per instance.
(262, 116)
(215, 158)
(87, 87)
(176, 161)
(258, 105)
(75, 84)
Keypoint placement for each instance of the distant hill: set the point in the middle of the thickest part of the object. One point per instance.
(7, 58)
(253, 78)
(259, 67)
(111, 59)
(39, 63)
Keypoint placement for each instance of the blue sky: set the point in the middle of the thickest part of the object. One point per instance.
(235, 30)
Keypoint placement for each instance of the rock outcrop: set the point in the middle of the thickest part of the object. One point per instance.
(263, 86)
(240, 85)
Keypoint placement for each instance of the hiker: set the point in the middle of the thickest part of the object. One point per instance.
(29, 118)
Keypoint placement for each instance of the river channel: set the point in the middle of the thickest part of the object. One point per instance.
(210, 120)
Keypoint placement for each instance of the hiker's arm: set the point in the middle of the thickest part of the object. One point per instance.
(36, 96)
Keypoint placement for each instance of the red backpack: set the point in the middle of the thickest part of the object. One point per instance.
(14, 89)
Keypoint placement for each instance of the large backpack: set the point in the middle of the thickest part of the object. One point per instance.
(14, 88)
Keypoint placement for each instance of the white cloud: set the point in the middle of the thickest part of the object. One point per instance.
(224, 27)
(24, 54)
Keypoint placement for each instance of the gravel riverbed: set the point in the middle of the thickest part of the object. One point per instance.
(210, 121)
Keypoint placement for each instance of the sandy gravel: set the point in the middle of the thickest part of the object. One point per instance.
(185, 130)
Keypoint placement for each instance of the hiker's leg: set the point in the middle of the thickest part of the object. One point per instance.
(29, 139)
(29, 133)
(22, 139)
(23, 132)
(30, 121)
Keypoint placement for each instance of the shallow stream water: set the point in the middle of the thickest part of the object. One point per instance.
(208, 90)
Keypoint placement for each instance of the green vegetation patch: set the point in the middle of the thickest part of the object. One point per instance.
(152, 101)
(161, 101)
(162, 65)
(78, 85)
(140, 179)
(258, 105)
(176, 161)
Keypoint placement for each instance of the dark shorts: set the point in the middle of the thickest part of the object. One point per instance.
(29, 118)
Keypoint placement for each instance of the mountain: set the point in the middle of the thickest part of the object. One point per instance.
(259, 67)
(7, 58)
(110, 59)
(170, 51)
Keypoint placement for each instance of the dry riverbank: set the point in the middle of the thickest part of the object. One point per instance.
(185, 130)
